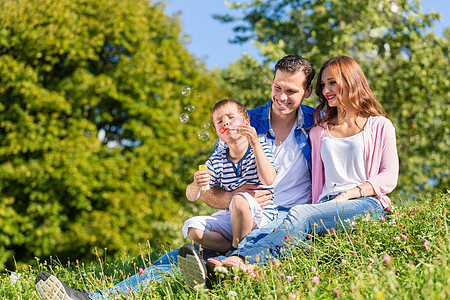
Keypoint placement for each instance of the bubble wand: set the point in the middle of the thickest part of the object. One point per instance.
(223, 130)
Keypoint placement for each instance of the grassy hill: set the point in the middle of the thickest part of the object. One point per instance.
(404, 256)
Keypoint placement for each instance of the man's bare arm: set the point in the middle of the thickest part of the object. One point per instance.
(219, 198)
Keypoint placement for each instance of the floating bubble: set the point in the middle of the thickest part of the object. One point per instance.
(203, 135)
(184, 117)
(206, 125)
(190, 108)
(186, 90)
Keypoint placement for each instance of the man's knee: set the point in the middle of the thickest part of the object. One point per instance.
(301, 218)
(302, 212)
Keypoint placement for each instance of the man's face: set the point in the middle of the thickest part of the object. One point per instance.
(288, 92)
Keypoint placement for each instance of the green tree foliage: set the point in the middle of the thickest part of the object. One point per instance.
(92, 152)
(246, 81)
(407, 66)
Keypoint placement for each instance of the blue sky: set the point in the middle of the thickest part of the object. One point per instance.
(209, 38)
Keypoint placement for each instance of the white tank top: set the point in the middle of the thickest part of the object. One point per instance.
(344, 163)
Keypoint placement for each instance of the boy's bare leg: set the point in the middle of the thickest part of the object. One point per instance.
(241, 219)
(209, 239)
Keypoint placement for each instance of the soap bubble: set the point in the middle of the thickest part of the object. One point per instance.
(186, 90)
(184, 117)
(203, 135)
(206, 125)
(190, 108)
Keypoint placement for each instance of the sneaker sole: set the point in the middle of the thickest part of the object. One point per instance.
(50, 288)
(191, 267)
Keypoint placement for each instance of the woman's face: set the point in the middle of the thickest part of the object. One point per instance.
(330, 89)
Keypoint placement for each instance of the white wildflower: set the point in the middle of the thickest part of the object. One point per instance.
(15, 277)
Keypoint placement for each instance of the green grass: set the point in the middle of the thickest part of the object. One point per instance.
(354, 264)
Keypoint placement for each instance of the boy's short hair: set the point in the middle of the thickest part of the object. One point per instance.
(224, 102)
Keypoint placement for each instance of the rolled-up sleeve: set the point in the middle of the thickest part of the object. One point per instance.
(383, 175)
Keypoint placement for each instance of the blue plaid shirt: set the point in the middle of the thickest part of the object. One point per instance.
(260, 120)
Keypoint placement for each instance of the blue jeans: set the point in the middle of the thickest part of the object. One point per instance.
(165, 265)
(266, 241)
(301, 221)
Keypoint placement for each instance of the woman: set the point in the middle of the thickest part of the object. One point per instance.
(354, 162)
(354, 153)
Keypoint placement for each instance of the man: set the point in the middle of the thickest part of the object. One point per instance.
(284, 124)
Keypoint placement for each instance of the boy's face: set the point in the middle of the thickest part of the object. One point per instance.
(226, 119)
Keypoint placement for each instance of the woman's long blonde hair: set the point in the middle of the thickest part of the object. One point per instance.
(347, 73)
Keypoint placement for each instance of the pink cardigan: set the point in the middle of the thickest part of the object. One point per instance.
(381, 158)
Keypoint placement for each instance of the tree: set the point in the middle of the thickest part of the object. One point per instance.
(246, 81)
(406, 64)
(93, 153)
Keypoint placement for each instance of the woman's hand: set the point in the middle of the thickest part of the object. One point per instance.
(344, 196)
(365, 190)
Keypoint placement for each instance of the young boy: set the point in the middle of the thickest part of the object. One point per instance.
(245, 160)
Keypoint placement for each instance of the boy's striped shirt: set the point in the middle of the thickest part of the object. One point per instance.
(230, 176)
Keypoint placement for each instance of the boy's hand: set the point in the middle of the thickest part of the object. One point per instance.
(250, 133)
(201, 178)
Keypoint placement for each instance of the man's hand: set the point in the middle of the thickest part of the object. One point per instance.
(220, 199)
(262, 196)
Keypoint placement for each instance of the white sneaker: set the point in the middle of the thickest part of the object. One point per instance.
(49, 287)
(192, 266)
